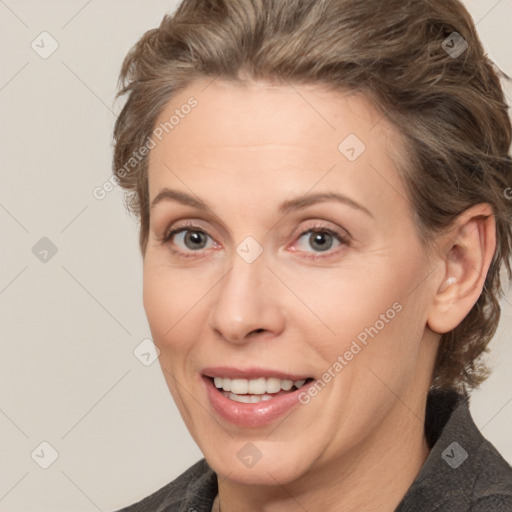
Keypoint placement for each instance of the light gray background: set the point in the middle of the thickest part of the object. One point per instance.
(68, 375)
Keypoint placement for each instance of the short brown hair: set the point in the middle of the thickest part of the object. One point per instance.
(449, 108)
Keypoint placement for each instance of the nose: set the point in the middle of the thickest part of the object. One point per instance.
(247, 303)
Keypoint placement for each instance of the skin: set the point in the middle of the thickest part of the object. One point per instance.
(358, 444)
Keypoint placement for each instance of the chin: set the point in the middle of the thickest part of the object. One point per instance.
(277, 467)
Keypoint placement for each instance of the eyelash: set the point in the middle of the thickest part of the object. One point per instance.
(342, 238)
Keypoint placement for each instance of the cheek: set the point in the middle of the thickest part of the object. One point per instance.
(383, 327)
(342, 303)
(369, 311)
(167, 302)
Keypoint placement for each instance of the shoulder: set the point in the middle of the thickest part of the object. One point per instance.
(492, 480)
(463, 472)
(496, 503)
(194, 490)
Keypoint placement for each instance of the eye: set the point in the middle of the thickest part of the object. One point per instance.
(317, 239)
(320, 239)
(189, 239)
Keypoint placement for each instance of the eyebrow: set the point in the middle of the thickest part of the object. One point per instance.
(300, 203)
(303, 202)
(167, 194)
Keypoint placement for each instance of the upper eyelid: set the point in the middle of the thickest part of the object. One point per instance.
(193, 223)
(339, 231)
(221, 228)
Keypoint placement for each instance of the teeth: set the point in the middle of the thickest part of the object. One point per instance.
(273, 385)
(239, 386)
(287, 384)
(247, 399)
(258, 386)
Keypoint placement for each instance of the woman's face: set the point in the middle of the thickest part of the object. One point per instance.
(293, 256)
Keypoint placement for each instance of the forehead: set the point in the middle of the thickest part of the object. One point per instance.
(277, 137)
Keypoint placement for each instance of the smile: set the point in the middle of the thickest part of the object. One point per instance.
(252, 398)
(256, 390)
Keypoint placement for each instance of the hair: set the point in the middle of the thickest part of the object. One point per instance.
(450, 110)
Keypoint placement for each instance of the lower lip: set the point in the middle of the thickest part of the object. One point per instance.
(251, 415)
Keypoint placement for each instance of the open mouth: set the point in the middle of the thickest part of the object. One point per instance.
(251, 391)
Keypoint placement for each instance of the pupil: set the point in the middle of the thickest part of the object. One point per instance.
(321, 241)
(195, 240)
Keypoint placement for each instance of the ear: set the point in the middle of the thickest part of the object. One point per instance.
(467, 251)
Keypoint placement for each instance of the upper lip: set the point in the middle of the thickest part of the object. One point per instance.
(251, 373)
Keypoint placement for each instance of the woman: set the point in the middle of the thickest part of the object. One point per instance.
(321, 187)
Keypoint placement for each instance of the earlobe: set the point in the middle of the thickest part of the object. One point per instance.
(469, 249)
